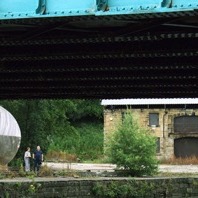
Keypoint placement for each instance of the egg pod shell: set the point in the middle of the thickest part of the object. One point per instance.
(10, 136)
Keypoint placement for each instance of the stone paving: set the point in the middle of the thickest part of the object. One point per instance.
(111, 167)
(81, 166)
(179, 168)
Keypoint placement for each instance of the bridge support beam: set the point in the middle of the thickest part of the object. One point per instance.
(16, 9)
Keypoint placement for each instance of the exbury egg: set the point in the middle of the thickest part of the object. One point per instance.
(10, 136)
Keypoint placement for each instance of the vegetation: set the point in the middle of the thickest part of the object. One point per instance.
(69, 126)
(133, 148)
(131, 188)
(86, 143)
(193, 160)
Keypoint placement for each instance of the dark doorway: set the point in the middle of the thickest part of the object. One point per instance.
(186, 124)
(186, 147)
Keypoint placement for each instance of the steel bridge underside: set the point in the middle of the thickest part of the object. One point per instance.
(106, 57)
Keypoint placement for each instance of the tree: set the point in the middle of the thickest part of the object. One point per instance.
(133, 148)
(57, 124)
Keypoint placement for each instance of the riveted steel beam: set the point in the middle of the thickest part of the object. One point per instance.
(41, 7)
(167, 3)
(98, 40)
(18, 9)
(102, 5)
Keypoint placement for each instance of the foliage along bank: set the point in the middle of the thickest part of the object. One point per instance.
(62, 125)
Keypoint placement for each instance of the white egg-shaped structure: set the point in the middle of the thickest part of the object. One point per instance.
(10, 136)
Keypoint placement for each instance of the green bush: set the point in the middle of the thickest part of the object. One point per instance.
(132, 189)
(86, 142)
(133, 148)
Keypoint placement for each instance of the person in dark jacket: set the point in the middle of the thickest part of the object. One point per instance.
(38, 158)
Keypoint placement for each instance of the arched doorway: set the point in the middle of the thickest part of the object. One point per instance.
(186, 147)
(186, 124)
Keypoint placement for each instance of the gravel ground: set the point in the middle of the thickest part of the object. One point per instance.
(81, 166)
(179, 168)
(111, 167)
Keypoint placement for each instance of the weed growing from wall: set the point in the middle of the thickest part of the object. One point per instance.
(133, 189)
(19, 189)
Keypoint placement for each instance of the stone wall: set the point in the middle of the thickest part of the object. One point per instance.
(164, 131)
(100, 187)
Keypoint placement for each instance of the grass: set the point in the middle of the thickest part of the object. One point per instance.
(170, 174)
(86, 142)
(60, 156)
(44, 171)
(180, 161)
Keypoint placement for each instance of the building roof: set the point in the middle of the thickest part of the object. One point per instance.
(150, 101)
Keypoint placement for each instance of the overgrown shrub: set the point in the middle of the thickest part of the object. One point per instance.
(60, 156)
(180, 160)
(132, 189)
(86, 143)
(45, 171)
(133, 148)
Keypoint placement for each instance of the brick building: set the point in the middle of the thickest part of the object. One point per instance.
(174, 122)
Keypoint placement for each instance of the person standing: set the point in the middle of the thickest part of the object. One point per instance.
(27, 157)
(38, 158)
